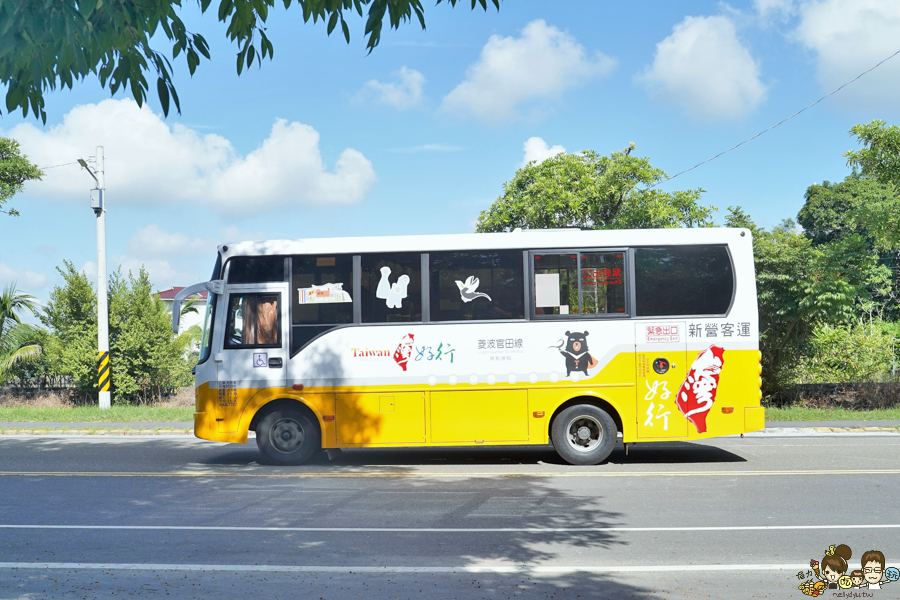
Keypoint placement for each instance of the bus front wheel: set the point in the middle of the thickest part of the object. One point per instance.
(287, 436)
(583, 434)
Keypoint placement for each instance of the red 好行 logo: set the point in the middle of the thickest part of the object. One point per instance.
(698, 392)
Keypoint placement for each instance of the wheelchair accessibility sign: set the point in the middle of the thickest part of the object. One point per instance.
(260, 359)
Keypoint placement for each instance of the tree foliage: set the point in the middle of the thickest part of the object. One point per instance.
(19, 342)
(71, 318)
(590, 191)
(48, 44)
(858, 351)
(145, 358)
(860, 204)
(802, 285)
(15, 170)
(880, 155)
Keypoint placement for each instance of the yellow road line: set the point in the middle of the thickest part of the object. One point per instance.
(432, 474)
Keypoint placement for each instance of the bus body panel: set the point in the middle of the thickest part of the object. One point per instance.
(440, 384)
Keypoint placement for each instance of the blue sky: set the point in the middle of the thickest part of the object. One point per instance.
(420, 135)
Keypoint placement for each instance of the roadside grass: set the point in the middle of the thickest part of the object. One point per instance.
(800, 413)
(58, 407)
(93, 414)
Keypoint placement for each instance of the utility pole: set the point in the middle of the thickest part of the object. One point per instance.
(98, 204)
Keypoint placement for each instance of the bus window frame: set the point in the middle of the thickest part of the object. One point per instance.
(355, 276)
(248, 289)
(628, 313)
(525, 258)
(734, 284)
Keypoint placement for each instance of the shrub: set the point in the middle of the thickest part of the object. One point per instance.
(858, 352)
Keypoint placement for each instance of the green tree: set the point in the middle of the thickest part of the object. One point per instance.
(15, 170)
(834, 210)
(590, 191)
(880, 155)
(71, 318)
(45, 45)
(801, 286)
(879, 160)
(19, 342)
(858, 206)
(145, 358)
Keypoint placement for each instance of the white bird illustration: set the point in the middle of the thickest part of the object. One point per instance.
(467, 290)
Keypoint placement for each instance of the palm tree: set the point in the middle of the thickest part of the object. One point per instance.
(18, 340)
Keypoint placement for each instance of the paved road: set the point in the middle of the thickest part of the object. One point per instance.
(729, 518)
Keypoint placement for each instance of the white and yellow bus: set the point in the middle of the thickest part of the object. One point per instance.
(563, 336)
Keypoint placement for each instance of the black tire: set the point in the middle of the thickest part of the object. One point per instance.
(583, 434)
(288, 436)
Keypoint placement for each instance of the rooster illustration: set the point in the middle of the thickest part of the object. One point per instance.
(467, 290)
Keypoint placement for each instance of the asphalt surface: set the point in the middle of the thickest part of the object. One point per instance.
(88, 517)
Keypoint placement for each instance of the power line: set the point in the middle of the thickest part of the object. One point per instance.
(773, 126)
(62, 165)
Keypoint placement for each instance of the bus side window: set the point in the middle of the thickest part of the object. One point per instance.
(683, 280)
(322, 290)
(476, 285)
(322, 296)
(391, 288)
(555, 284)
(602, 283)
(253, 321)
(579, 283)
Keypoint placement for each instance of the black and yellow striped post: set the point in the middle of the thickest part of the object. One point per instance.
(103, 371)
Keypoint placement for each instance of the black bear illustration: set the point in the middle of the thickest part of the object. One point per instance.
(576, 353)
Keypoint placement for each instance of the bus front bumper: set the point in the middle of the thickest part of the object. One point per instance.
(206, 428)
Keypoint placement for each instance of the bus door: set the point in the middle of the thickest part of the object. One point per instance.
(254, 347)
(660, 368)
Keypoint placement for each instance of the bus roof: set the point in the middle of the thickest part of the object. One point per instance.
(517, 240)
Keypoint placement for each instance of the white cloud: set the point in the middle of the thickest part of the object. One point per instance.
(537, 149)
(705, 69)
(154, 241)
(767, 9)
(849, 37)
(172, 259)
(26, 281)
(404, 94)
(149, 162)
(539, 65)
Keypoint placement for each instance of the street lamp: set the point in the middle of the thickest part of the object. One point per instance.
(98, 203)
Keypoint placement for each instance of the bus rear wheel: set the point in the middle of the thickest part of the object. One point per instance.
(288, 436)
(583, 434)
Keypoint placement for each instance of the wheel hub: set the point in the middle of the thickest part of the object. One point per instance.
(585, 433)
(287, 435)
